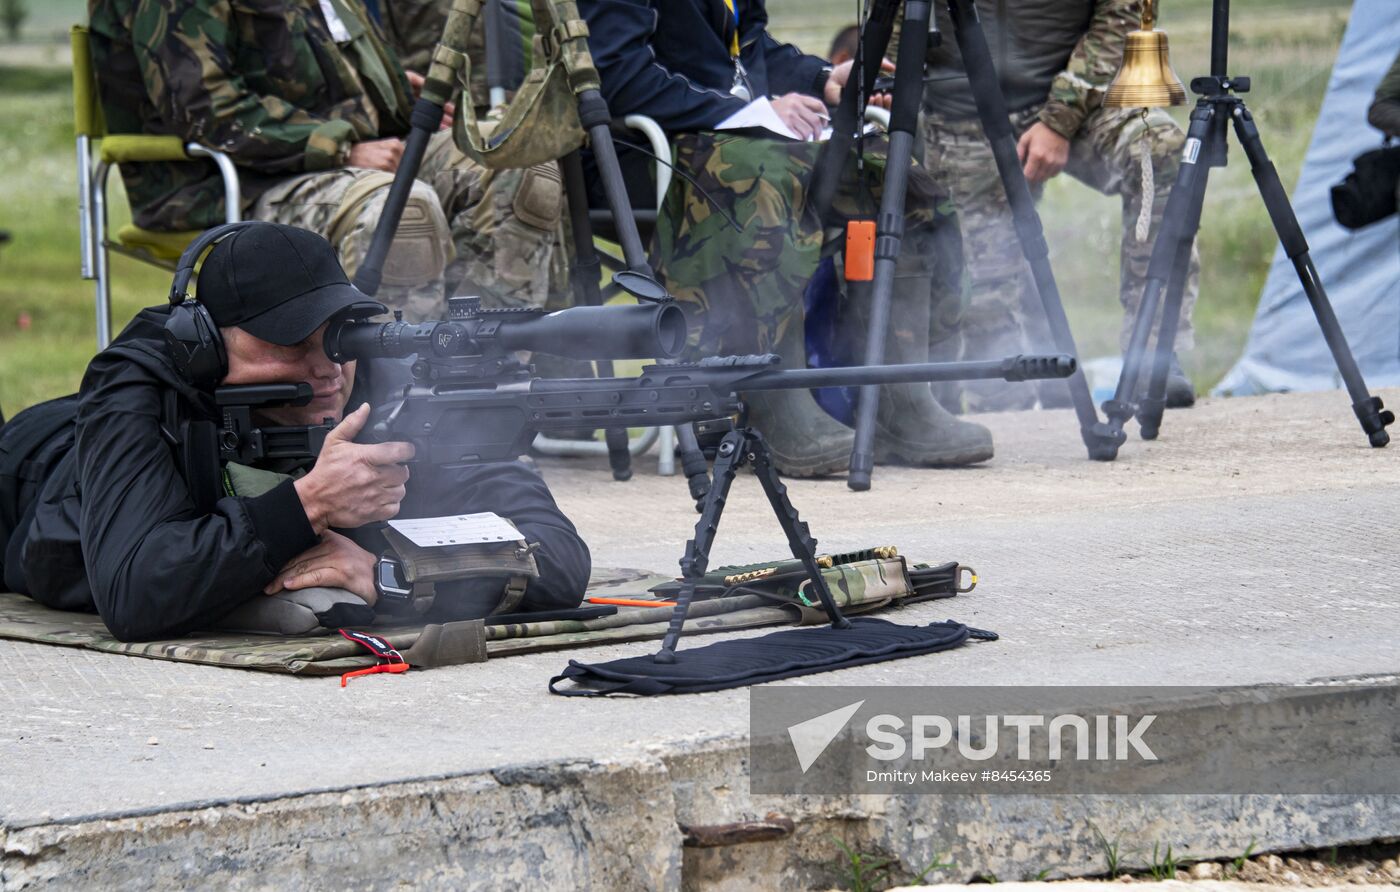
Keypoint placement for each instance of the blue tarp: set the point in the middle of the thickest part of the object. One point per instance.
(1361, 269)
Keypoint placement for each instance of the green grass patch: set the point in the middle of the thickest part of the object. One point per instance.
(34, 79)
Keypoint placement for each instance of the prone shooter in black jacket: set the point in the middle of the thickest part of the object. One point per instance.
(114, 527)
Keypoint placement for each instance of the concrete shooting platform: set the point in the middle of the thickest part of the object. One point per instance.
(1255, 543)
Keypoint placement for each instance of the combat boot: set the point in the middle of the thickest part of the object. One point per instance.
(910, 426)
(804, 440)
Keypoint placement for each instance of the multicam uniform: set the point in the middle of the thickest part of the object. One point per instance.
(286, 89)
(1054, 58)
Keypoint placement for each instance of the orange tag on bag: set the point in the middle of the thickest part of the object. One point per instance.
(860, 250)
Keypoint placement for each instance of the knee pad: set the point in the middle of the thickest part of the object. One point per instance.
(539, 200)
(422, 245)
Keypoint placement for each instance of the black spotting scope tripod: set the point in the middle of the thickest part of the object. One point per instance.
(1206, 147)
(1101, 440)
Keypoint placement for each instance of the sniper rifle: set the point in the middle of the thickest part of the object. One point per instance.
(468, 399)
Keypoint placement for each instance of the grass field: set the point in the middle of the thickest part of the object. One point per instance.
(46, 318)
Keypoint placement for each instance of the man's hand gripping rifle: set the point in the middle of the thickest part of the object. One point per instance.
(466, 398)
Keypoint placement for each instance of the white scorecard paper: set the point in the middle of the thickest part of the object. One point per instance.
(759, 114)
(457, 529)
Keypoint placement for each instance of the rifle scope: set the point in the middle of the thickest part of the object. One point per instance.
(644, 331)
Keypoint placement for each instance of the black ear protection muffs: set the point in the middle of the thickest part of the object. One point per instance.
(190, 333)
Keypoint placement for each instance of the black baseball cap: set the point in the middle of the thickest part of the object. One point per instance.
(278, 283)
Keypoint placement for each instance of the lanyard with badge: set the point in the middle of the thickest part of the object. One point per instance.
(741, 86)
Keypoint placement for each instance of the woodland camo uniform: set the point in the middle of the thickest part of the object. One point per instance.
(286, 89)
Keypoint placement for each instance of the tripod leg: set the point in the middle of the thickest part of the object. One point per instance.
(427, 116)
(1369, 409)
(1154, 403)
(585, 276)
(424, 122)
(1101, 440)
(638, 279)
(733, 452)
(835, 152)
(1190, 179)
(904, 121)
(800, 540)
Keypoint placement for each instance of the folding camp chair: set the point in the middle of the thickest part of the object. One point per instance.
(160, 249)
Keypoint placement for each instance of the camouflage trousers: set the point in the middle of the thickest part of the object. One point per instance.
(1004, 314)
(467, 229)
(743, 285)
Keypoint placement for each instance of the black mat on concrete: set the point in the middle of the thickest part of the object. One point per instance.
(748, 661)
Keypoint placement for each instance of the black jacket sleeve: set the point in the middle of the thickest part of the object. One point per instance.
(517, 493)
(789, 69)
(620, 34)
(156, 566)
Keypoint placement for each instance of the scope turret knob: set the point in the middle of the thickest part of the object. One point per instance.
(464, 307)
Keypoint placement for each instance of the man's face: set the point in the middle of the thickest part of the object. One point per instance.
(252, 360)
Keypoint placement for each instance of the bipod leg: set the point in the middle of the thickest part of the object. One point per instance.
(1101, 440)
(800, 540)
(1171, 235)
(693, 465)
(1369, 409)
(584, 276)
(733, 452)
(889, 227)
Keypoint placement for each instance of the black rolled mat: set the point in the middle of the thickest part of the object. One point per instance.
(747, 661)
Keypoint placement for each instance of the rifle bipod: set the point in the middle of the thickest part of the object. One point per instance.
(739, 447)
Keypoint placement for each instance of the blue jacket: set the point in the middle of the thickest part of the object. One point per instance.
(670, 60)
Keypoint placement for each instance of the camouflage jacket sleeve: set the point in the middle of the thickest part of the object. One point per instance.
(1078, 89)
(183, 49)
(1384, 114)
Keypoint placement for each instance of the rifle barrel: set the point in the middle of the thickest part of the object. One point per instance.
(1014, 368)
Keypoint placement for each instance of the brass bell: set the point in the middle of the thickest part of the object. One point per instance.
(1146, 79)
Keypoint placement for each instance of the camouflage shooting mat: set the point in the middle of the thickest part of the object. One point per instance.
(737, 598)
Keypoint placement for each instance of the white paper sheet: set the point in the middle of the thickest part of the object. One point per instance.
(760, 114)
(457, 529)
